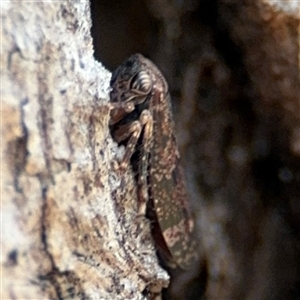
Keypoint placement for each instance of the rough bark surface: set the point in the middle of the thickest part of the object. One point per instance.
(69, 226)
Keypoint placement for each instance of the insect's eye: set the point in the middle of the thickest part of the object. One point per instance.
(141, 82)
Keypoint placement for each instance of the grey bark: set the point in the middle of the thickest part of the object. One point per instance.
(69, 226)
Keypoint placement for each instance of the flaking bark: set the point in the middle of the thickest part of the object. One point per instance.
(69, 227)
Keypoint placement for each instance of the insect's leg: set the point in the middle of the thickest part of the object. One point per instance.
(133, 131)
(119, 110)
(146, 120)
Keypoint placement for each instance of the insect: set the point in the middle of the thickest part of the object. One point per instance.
(141, 119)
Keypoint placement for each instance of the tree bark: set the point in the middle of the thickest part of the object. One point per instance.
(69, 226)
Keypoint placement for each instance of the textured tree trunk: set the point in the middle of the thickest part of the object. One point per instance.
(69, 227)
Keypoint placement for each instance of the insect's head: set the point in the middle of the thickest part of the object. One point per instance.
(131, 82)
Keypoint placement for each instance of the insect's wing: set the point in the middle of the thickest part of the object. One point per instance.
(169, 192)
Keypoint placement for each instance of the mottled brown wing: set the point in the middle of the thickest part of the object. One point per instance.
(168, 187)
